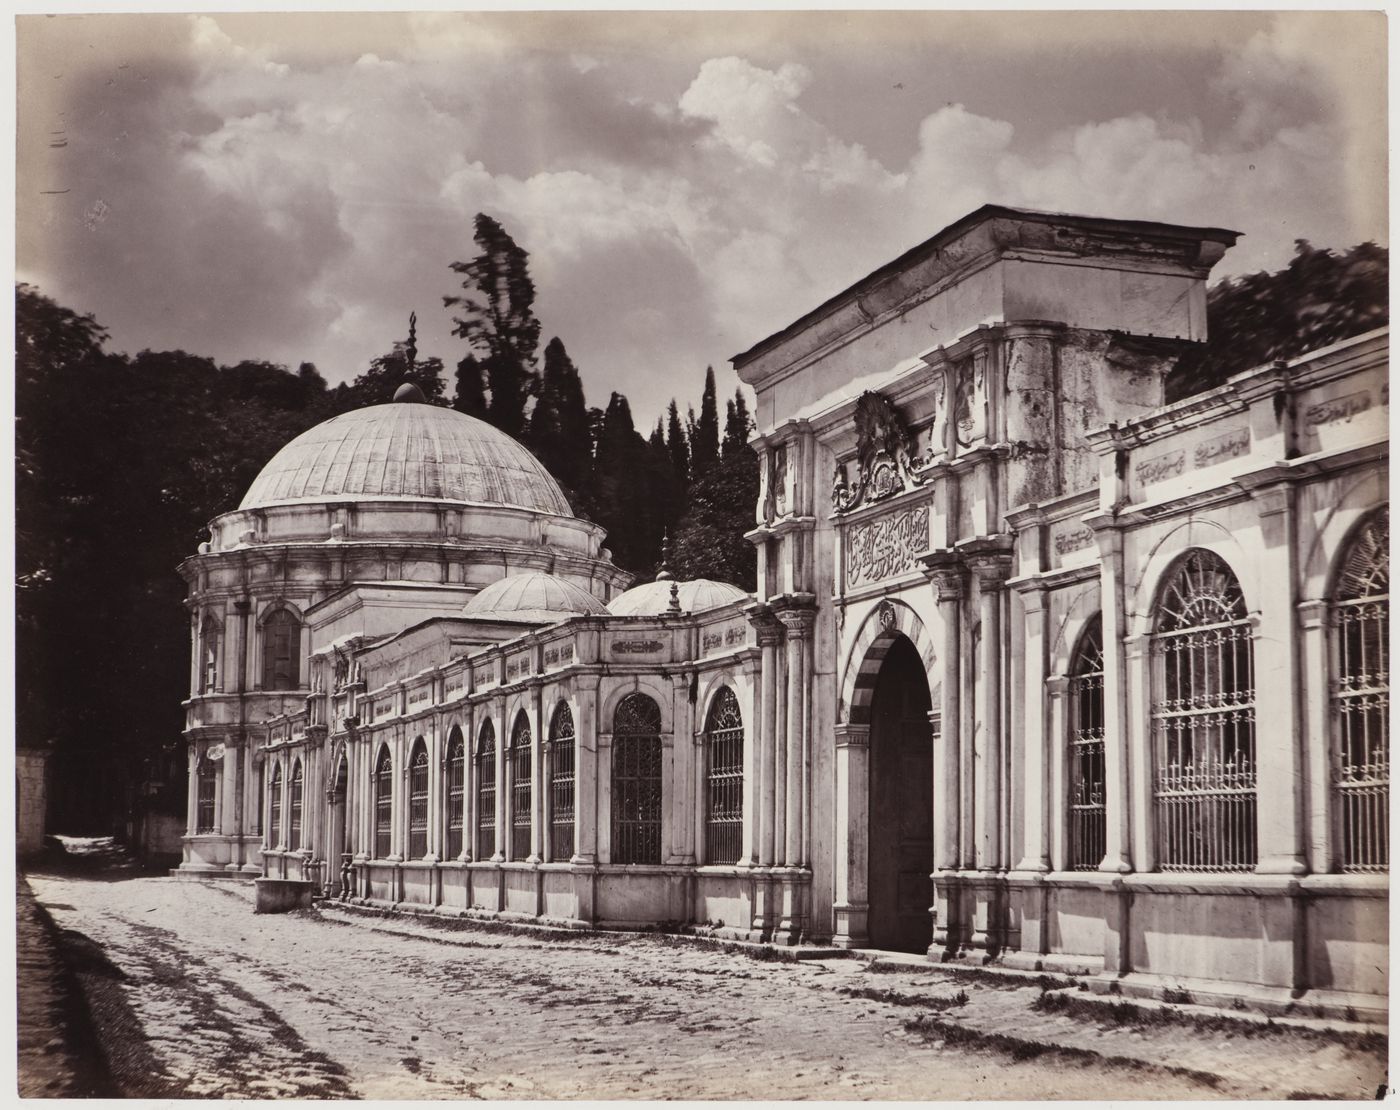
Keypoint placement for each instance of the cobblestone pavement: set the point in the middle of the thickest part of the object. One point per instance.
(206, 999)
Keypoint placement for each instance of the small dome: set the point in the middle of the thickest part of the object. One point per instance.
(406, 452)
(652, 598)
(533, 596)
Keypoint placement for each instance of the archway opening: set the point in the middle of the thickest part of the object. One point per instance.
(901, 804)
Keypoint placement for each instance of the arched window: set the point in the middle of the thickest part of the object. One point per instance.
(724, 779)
(281, 634)
(418, 801)
(1203, 720)
(210, 634)
(274, 810)
(520, 787)
(636, 781)
(294, 819)
(1361, 700)
(456, 791)
(206, 795)
(383, 804)
(486, 791)
(1086, 766)
(561, 784)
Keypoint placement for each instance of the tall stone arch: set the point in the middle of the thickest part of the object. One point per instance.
(888, 620)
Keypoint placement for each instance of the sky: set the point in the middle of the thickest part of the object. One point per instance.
(290, 187)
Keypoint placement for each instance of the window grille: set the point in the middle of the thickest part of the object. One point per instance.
(294, 823)
(1203, 721)
(724, 780)
(561, 784)
(520, 788)
(383, 804)
(418, 802)
(636, 781)
(274, 810)
(206, 791)
(1361, 701)
(456, 792)
(486, 791)
(1086, 760)
(281, 651)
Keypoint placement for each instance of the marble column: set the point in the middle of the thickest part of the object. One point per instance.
(1118, 841)
(798, 625)
(852, 861)
(1040, 798)
(947, 580)
(991, 573)
(586, 800)
(768, 639)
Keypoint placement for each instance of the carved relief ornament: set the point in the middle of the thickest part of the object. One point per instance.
(886, 462)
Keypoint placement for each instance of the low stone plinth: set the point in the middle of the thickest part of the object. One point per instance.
(282, 895)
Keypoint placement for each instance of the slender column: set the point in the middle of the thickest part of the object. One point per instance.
(1141, 752)
(1118, 844)
(679, 820)
(436, 781)
(1312, 616)
(192, 794)
(1277, 680)
(502, 782)
(1057, 693)
(752, 735)
(798, 623)
(768, 637)
(987, 764)
(1038, 799)
(587, 803)
(852, 835)
(537, 778)
(398, 825)
(947, 580)
(780, 760)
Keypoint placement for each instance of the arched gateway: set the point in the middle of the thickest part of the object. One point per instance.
(885, 778)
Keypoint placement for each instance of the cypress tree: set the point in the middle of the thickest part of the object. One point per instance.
(737, 424)
(704, 445)
(471, 397)
(677, 446)
(559, 425)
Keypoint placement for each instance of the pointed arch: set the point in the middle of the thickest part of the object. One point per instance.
(888, 620)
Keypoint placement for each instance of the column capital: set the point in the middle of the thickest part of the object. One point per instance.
(944, 569)
(1057, 686)
(1313, 613)
(765, 623)
(852, 735)
(990, 568)
(798, 622)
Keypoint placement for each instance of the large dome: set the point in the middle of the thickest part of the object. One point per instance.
(406, 451)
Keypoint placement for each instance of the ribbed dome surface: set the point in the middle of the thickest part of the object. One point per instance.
(696, 596)
(410, 451)
(533, 595)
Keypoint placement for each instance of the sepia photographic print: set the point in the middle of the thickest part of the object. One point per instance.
(713, 555)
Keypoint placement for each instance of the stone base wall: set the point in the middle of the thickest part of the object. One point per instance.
(31, 799)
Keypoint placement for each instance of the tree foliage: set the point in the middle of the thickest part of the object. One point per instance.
(1320, 298)
(497, 319)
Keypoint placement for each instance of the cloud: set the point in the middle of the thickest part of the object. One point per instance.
(243, 198)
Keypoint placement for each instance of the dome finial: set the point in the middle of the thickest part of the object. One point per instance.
(663, 572)
(674, 605)
(411, 347)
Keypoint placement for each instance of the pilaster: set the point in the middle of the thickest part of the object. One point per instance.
(946, 575)
(1038, 795)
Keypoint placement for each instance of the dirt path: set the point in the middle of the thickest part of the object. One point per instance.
(225, 1003)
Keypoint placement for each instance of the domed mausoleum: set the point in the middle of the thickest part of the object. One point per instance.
(1009, 689)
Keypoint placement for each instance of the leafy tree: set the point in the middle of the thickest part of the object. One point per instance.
(559, 426)
(386, 373)
(498, 321)
(1318, 299)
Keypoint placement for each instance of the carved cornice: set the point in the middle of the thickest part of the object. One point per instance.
(852, 736)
